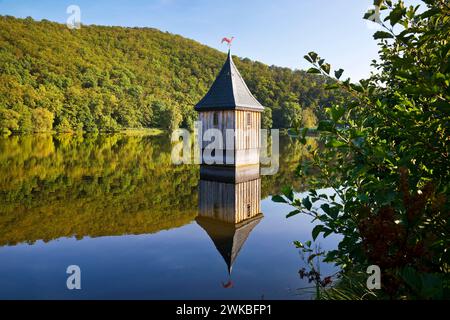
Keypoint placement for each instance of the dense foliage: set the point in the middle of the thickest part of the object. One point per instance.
(107, 78)
(386, 157)
(92, 185)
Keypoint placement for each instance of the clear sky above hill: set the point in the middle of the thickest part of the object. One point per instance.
(278, 32)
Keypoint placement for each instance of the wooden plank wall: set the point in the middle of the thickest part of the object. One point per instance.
(248, 198)
(246, 136)
(216, 200)
(225, 121)
(227, 202)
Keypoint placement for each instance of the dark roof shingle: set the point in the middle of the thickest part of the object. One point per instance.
(229, 92)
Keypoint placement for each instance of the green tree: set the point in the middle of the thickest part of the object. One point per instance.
(9, 121)
(386, 158)
(25, 121)
(267, 122)
(64, 126)
(309, 119)
(168, 118)
(118, 73)
(292, 114)
(42, 120)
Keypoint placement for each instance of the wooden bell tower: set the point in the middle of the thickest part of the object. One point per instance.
(229, 106)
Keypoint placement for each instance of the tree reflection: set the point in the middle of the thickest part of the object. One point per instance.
(102, 185)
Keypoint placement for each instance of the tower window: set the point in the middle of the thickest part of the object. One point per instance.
(248, 210)
(216, 119)
(249, 119)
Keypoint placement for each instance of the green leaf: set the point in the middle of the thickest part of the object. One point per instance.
(369, 15)
(430, 13)
(316, 231)
(331, 86)
(304, 132)
(326, 126)
(357, 87)
(396, 15)
(334, 143)
(327, 232)
(382, 35)
(313, 71)
(338, 73)
(278, 198)
(313, 56)
(333, 212)
(337, 112)
(412, 278)
(298, 244)
(442, 106)
(288, 193)
(293, 213)
(307, 203)
(326, 68)
(363, 198)
(378, 3)
(308, 58)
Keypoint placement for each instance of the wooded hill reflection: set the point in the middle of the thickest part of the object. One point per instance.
(103, 185)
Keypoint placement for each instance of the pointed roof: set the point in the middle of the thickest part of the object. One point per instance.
(229, 92)
(227, 237)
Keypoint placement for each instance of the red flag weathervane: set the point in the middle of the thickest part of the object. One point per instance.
(228, 41)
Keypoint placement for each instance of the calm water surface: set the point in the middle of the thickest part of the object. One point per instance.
(115, 206)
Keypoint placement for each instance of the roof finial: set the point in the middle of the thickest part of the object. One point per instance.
(228, 285)
(228, 41)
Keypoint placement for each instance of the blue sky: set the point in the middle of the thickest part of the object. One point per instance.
(278, 32)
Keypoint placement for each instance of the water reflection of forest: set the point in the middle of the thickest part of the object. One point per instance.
(103, 185)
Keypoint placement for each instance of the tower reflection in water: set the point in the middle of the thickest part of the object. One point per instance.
(229, 207)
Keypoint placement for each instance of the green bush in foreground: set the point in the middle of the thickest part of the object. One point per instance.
(387, 159)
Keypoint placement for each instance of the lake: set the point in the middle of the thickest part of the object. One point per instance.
(114, 205)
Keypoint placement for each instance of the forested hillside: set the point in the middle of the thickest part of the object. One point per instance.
(108, 78)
